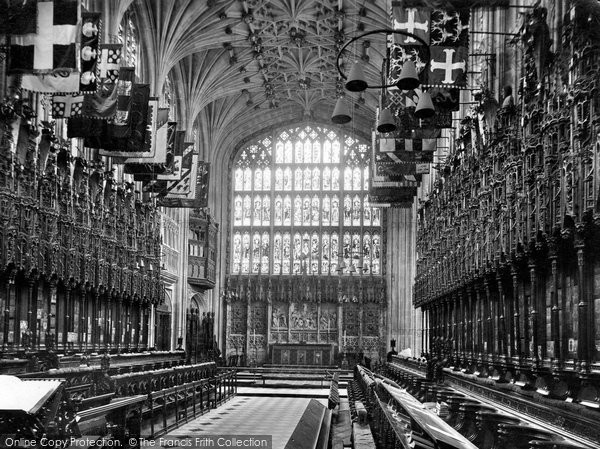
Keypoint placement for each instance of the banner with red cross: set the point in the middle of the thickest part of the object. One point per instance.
(443, 62)
(47, 42)
(108, 67)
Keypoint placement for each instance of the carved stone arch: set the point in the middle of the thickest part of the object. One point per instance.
(197, 327)
(163, 324)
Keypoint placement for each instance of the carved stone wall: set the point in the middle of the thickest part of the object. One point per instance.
(269, 310)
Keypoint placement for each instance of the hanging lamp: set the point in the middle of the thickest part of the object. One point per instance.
(386, 122)
(356, 78)
(424, 107)
(341, 112)
(408, 79)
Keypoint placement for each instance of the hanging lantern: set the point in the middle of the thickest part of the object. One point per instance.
(386, 122)
(341, 112)
(424, 107)
(408, 79)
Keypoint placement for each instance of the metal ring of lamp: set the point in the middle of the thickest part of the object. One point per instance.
(387, 32)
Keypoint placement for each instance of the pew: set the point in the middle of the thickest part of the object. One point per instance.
(518, 436)
(33, 409)
(334, 394)
(146, 381)
(170, 407)
(119, 420)
(400, 420)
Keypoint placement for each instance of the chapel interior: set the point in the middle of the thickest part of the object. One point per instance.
(319, 224)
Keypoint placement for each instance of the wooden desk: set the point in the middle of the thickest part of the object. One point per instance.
(427, 421)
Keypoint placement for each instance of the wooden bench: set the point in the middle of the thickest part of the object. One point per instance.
(334, 393)
(117, 420)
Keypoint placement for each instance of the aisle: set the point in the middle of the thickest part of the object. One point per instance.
(243, 415)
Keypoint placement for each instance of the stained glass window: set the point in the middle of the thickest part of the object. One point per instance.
(300, 206)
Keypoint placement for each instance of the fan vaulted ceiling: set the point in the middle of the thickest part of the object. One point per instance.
(240, 66)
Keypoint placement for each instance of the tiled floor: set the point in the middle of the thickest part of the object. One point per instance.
(243, 415)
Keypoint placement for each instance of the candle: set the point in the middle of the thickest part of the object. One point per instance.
(344, 337)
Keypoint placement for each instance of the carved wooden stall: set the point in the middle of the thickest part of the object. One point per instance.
(79, 253)
(508, 269)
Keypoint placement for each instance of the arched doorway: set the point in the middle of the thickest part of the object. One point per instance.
(163, 325)
(199, 327)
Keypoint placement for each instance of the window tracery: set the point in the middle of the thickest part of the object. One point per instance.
(287, 216)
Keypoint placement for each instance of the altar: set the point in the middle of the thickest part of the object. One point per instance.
(302, 354)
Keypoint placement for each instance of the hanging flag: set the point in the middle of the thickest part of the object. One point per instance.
(138, 117)
(392, 182)
(448, 66)
(181, 193)
(399, 54)
(398, 145)
(108, 67)
(450, 28)
(414, 21)
(51, 83)
(96, 107)
(64, 106)
(47, 43)
(444, 62)
(202, 179)
(89, 51)
(173, 172)
(127, 131)
(444, 98)
(156, 143)
(18, 17)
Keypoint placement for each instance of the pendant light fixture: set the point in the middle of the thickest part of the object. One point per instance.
(408, 79)
(356, 78)
(424, 107)
(341, 112)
